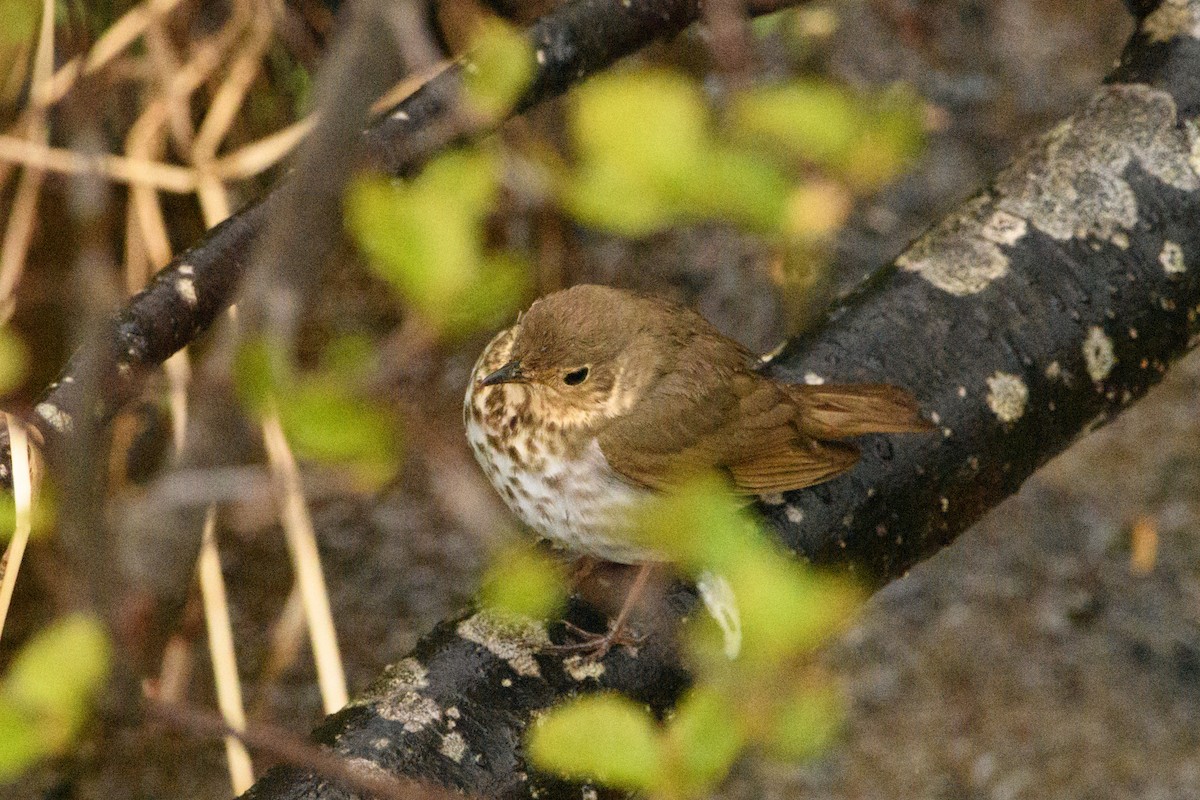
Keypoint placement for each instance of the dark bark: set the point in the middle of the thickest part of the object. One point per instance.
(1035, 311)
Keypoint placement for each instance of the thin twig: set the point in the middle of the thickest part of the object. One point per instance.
(165, 177)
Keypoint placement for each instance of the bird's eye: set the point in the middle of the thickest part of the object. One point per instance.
(576, 377)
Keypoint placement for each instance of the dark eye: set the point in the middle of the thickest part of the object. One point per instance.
(576, 377)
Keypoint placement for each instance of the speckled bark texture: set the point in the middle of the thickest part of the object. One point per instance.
(1036, 311)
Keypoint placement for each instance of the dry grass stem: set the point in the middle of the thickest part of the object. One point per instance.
(220, 647)
(302, 544)
(23, 481)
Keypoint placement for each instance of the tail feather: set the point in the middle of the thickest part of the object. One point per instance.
(839, 411)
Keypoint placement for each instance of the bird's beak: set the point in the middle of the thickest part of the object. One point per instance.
(509, 373)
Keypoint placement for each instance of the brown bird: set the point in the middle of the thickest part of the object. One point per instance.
(597, 397)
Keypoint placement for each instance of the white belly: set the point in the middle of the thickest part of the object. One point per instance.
(579, 504)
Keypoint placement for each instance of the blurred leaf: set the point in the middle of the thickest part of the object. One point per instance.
(816, 210)
(43, 513)
(813, 119)
(786, 608)
(738, 186)
(47, 693)
(499, 68)
(21, 18)
(524, 582)
(867, 140)
(700, 525)
(13, 360)
(603, 737)
(426, 238)
(806, 723)
(650, 123)
(608, 197)
(258, 373)
(706, 735)
(324, 422)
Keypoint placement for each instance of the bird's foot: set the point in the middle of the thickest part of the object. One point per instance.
(594, 646)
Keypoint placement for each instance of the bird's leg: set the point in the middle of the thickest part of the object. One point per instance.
(596, 645)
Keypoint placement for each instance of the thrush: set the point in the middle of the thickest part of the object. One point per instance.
(597, 398)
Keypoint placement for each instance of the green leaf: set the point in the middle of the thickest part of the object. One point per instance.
(605, 737)
(707, 737)
(524, 582)
(652, 124)
(700, 525)
(47, 693)
(259, 371)
(427, 239)
(739, 186)
(21, 19)
(13, 360)
(815, 120)
(609, 197)
(786, 608)
(324, 422)
(498, 69)
(806, 723)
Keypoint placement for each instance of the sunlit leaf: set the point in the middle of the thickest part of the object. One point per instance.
(499, 68)
(806, 723)
(816, 210)
(46, 695)
(607, 738)
(706, 735)
(651, 123)
(21, 19)
(700, 525)
(524, 582)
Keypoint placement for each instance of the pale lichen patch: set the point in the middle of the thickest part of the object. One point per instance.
(57, 418)
(1007, 396)
(1004, 228)
(1172, 18)
(580, 668)
(1171, 258)
(955, 255)
(794, 514)
(1073, 184)
(186, 289)
(813, 379)
(1054, 371)
(511, 638)
(1098, 353)
(412, 709)
(772, 499)
(453, 747)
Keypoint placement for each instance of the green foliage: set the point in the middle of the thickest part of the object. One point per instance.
(524, 582)
(500, 66)
(607, 738)
(321, 411)
(46, 695)
(43, 513)
(21, 18)
(768, 696)
(865, 140)
(667, 168)
(13, 360)
(426, 237)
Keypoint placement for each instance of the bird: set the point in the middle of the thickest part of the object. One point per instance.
(598, 398)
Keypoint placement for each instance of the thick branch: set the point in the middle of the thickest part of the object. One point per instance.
(1036, 310)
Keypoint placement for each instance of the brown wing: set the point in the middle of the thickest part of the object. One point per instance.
(835, 412)
(711, 411)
